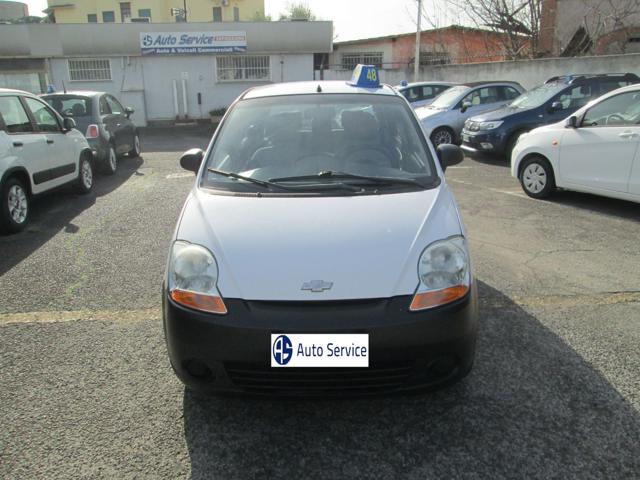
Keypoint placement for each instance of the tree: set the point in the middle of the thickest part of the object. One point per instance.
(608, 24)
(30, 19)
(261, 17)
(298, 11)
(517, 20)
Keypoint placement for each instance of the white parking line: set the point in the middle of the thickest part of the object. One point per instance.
(180, 175)
(513, 193)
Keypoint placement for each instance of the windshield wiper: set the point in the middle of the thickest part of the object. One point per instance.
(237, 176)
(270, 184)
(351, 176)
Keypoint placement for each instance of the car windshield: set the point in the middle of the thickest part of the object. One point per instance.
(303, 141)
(70, 106)
(538, 95)
(449, 97)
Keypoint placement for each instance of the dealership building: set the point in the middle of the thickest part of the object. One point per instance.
(164, 71)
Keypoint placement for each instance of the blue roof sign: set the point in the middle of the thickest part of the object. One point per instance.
(365, 76)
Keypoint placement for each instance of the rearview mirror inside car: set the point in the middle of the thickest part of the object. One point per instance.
(571, 122)
(449, 155)
(68, 123)
(191, 159)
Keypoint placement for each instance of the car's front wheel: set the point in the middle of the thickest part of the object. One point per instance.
(14, 214)
(536, 177)
(135, 151)
(441, 136)
(84, 184)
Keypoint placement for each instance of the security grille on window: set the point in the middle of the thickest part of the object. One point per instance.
(239, 68)
(350, 60)
(89, 70)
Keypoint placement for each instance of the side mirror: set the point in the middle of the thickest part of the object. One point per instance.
(191, 159)
(128, 111)
(449, 155)
(68, 124)
(571, 122)
(555, 107)
(465, 106)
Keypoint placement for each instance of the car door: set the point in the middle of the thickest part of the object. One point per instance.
(480, 100)
(568, 101)
(121, 126)
(59, 148)
(599, 154)
(26, 146)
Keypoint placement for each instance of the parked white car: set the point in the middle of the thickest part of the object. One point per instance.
(39, 151)
(421, 94)
(595, 150)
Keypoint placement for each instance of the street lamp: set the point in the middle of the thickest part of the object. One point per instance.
(180, 11)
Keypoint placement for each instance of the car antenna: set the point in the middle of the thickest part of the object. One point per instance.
(319, 89)
(64, 87)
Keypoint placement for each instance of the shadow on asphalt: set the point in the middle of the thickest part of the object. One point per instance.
(52, 212)
(176, 138)
(596, 203)
(531, 408)
(487, 159)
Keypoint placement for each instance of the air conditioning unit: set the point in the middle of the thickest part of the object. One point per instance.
(140, 20)
(225, 3)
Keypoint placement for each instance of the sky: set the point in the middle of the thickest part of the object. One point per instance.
(352, 19)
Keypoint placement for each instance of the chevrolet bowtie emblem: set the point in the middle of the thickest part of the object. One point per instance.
(317, 286)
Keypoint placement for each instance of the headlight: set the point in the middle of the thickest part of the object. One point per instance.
(444, 274)
(193, 278)
(489, 125)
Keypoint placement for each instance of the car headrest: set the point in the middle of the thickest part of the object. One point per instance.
(78, 110)
(284, 126)
(359, 124)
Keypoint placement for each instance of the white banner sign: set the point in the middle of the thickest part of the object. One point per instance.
(176, 43)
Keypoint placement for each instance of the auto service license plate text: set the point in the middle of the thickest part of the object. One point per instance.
(319, 350)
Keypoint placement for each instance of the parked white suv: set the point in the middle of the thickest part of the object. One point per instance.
(39, 151)
(595, 150)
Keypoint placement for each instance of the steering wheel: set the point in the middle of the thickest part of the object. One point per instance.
(614, 116)
(315, 154)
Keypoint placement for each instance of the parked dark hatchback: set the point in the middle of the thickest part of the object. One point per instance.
(497, 131)
(105, 123)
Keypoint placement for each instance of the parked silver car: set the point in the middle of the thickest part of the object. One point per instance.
(443, 120)
(421, 94)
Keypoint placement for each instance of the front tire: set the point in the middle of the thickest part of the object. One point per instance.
(135, 151)
(84, 184)
(14, 214)
(441, 136)
(537, 178)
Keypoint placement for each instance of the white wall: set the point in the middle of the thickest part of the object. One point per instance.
(146, 83)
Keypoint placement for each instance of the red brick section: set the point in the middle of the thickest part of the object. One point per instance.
(547, 27)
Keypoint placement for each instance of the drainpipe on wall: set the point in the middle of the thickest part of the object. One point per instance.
(175, 99)
(184, 98)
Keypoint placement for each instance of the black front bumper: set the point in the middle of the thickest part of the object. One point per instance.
(472, 141)
(408, 350)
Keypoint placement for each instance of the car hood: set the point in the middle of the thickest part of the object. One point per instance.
(498, 114)
(366, 246)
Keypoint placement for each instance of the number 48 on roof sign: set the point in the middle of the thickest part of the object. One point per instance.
(365, 76)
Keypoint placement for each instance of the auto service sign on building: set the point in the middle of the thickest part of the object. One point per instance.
(176, 43)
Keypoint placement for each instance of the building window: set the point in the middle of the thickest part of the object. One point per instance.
(217, 14)
(234, 68)
(350, 60)
(236, 14)
(144, 13)
(108, 17)
(125, 11)
(92, 18)
(90, 69)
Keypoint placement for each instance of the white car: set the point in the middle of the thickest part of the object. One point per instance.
(39, 151)
(595, 150)
(320, 232)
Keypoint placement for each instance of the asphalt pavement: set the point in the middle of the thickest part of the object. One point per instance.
(86, 389)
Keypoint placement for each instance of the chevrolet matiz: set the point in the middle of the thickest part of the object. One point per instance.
(320, 251)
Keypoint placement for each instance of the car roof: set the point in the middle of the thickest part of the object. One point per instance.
(4, 91)
(79, 93)
(576, 78)
(494, 82)
(309, 88)
(424, 84)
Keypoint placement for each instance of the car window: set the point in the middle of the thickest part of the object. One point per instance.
(623, 109)
(509, 93)
(538, 95)
(104, 106)
(70, 106)
(576, 97)
(46, 120)
(482, 96)
(295, 135)
(608, 85)
(413, 94)
(114, 105)
(450, 97)
(15, 117)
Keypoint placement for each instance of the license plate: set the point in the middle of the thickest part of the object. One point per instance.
(465, 137)
(319, 350)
